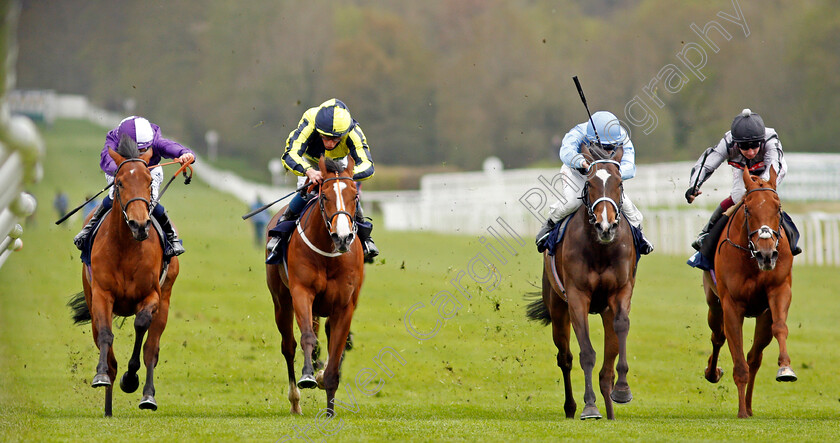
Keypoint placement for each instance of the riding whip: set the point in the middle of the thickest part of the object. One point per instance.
(66, 216)
(264, 207)
(583, 99)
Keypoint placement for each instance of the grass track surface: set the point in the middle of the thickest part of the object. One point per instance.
(487, 374)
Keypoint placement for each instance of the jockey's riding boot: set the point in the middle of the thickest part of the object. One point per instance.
(543, 234)
(173, 243)
(273, 241)
(363, 229)
(81, 237)
(698, 243)
(646, 247)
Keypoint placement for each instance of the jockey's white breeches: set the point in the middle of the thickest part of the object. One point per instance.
(570, 200)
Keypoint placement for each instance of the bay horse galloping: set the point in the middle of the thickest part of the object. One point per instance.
(592, 272)
(124, 277)
(325, 274)
(753, 269)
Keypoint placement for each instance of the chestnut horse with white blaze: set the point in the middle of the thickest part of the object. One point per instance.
(592, 272)
(325, 275)
(124, 278)
(753, 269)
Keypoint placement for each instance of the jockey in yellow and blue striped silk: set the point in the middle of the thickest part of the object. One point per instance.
(329, 130)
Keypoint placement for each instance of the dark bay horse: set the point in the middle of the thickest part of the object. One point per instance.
(592, 272)
(753, 268)
(124, 278)
(325, 274)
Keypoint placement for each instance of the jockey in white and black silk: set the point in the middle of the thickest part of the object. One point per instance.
(748, 144)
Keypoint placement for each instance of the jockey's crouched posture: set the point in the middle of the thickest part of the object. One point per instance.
(328, 130)
(147, 136)
(612, 135)
(748, 144)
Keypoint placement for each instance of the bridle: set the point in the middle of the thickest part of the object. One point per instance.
(117, 196)
(763, 231)
(590, 207)
(328, 219)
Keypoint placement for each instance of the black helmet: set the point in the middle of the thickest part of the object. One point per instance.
(747, 126)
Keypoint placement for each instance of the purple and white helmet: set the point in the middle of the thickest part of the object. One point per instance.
(139, 129)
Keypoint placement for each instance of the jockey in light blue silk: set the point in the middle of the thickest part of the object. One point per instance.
(612, 135)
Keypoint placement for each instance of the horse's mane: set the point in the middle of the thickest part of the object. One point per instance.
(332, 165)
(127, 147)
(598, 153)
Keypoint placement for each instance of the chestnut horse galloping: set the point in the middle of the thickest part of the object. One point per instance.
(752, 264)
(596, 262)
(124, 278)
(325, 274)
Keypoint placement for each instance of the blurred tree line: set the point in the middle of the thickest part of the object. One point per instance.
(446, 82)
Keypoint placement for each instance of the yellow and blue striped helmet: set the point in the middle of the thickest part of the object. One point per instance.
(333, 119)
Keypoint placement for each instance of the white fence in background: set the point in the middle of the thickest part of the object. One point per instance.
(469, 202)
(21, 149)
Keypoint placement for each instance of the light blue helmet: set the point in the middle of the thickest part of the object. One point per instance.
(609, 129)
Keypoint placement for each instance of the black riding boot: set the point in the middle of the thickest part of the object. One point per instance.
(543, 234)
(363, 228)
(81, 237)
(173, 247)
(698, 243)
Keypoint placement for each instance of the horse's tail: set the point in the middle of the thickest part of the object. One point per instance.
(537, 310)
(78, 305)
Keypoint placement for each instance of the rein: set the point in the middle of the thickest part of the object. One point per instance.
(763, 232)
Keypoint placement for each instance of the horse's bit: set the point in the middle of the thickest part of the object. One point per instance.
(763, 232)
(590, 208)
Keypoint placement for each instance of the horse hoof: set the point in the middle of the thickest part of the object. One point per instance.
(129, 382)
(590, 412)
(714, 378)
(307, 382)
(621, 396)
(319, 378)
(101, 380)
(785, 374)
(148, 402)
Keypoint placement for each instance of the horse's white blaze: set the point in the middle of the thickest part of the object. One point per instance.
(343, 224)
(605, 224)
(604, 175)
(131, 171)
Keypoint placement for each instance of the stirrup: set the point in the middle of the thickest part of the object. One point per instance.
(698, 242)
(272, 243)
(370, 250)
(174, 247)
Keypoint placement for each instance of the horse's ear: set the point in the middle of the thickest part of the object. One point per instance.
(773, 177)
(322, 164)
(584, 150)
(351, 164)
(749, 183)
(147, 156)
(617, 154)
(116, 157)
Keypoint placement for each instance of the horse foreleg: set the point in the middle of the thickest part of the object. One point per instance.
(284, 318)
(733, 323)
(715, 320)
(607, 375)
(142, 321)
(763, 336)
(580, 322)
(151, 350)
(779, 300)
(106, 368)
(303, 314)
(339, 330)
(621, 324)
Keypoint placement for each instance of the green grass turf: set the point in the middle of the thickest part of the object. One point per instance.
(487, 374)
